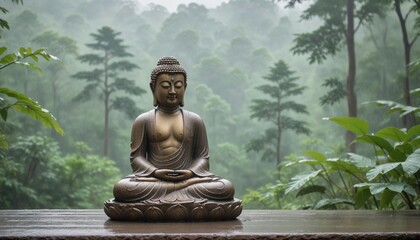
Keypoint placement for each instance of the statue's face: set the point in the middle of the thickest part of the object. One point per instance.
(169, 90)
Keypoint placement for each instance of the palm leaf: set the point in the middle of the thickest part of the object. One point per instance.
(300, 180)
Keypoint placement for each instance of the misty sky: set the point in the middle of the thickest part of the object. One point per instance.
(171, 5)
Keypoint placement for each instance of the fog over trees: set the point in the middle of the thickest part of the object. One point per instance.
(338, 55)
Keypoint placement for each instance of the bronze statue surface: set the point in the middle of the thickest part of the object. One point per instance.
(170, 161)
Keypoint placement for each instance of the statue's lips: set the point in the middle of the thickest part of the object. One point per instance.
(172, 97)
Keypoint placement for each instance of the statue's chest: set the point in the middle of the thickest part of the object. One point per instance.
(169, 127)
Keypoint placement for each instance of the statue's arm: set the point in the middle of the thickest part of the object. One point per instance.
(200, 163)
(139, 163)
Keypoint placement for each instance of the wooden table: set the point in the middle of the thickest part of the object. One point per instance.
(251, 224)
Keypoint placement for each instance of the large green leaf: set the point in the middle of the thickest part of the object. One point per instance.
(360, 161)
(316, 155)
(9, 58)
(2, 50)
(299, 180)
(416, 92)
(311, 189)
(362, 195)
(28, 106)
(395, 187)
(415, 143)
(396, 107)
(337, 164)
(397, 156)
(381, 169)
(387, 197)
(412, 164)
(309, 162)
(405, 147)
(355, 125)
(329, 203)
(413, 132)
(392, 133)
(375, 140)
(377, 188)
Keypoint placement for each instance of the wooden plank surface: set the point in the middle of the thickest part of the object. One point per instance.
(251, 224)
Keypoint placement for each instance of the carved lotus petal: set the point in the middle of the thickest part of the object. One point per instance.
(177, 212)
(112, 212)
(217, 213)
(234, 210)
(153, 213)
(199, 213)
(133, 213)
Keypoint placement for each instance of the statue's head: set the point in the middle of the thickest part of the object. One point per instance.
(168, 82)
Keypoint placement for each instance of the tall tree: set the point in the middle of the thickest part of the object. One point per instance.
(106, 77)
(409, 120)
(282, 86)
(337, 31)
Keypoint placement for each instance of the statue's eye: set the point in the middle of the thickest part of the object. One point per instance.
(165, 84)
(179, 84)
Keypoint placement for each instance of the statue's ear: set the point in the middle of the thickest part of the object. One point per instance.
(182, 101)
(154, 100)
(154, 97)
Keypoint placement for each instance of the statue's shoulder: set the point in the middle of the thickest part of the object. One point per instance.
(144, 117)
(194, 117)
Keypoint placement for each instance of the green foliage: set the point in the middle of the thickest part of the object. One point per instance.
(87, 179)
(388, 180)
(26, 105)
(336, 93)
(402, 109)
(24, 53)
(273, 110)
(300, 180)
(330, 37)
(267, 197)
(24, 177)
(21, 102)
(394, 171)
(352, 124)
(4, 23)
(35, 175)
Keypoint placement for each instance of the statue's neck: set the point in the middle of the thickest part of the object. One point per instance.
(168, 110)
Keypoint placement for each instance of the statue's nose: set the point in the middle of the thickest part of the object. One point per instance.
(172, 90)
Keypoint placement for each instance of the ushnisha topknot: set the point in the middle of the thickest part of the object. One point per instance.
(167, 65)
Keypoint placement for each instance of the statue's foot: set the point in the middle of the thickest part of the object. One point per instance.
(180, 196)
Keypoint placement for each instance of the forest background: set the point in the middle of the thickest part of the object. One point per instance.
(227, 51)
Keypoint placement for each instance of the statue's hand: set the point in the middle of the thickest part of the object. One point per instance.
(173, 175)
(184, 174)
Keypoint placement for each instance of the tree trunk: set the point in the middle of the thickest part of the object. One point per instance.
(278, 145)
(351, 75)
(409, 119)
(106, 103)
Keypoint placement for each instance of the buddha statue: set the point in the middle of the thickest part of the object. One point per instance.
(170, 161)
